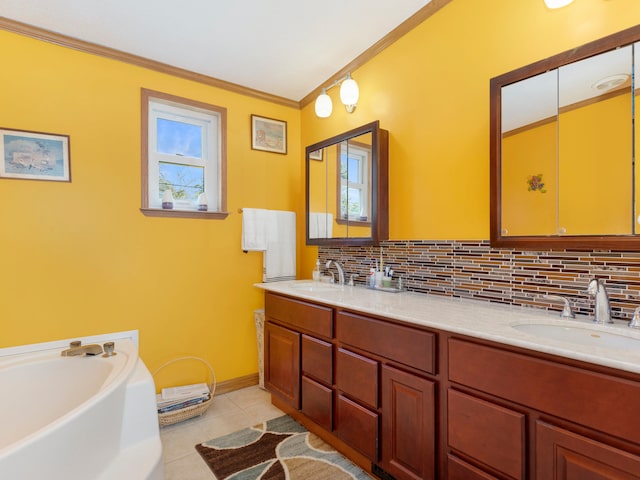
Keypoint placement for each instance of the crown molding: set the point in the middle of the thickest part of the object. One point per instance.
(113, 54)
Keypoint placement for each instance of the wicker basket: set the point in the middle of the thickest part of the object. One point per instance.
(169, 418)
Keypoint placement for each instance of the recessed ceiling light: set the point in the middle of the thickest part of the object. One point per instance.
(610, 82)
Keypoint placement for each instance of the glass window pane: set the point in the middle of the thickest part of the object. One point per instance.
(179, 138)
(351, 202)
(354, 170)
(186, 182)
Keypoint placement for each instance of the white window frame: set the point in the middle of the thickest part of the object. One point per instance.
(212, 120)
(364, 154)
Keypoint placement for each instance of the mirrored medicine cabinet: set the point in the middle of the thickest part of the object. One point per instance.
(563, 140)
(347, 198)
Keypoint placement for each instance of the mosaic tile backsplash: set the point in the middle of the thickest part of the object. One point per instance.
(472, 269)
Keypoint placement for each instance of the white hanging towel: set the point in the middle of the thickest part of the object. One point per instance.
(320, 225)
(254, 230)
(274, 233)
(280, 256)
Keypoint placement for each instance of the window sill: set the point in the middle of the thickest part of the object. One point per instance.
(160, 212)
(356, 223)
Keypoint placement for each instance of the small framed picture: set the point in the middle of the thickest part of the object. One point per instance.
(34, 155)
(268, 134)
(316, 155)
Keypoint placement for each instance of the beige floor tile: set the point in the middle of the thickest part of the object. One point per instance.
(250, 396)
(189, 467)
(228, 413)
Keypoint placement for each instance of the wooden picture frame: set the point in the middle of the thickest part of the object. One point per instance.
(268, 134)
(31, 155)
(316, 155)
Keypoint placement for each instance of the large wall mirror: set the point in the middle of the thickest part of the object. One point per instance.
(563, 140)
(347, 188)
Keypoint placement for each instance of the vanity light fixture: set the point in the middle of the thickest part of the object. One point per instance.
(349, 93)
(323, 104)
(557, 3)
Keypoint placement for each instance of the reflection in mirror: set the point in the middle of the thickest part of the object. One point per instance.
(354, 186)
(347, 199)
(562, 149)
(320, 218)
(529, 138)
(636, 135)
(595, 145)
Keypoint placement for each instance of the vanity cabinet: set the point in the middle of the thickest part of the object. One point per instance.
(299, 356)
(369, 383)
(515, 415)
(409, 402)
(382, 379)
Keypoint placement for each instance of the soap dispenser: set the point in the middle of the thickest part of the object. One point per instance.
(315, 275)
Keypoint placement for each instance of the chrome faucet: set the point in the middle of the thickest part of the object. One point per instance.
(339, 268)
(74, 351)
(567, 312)
(603, 308)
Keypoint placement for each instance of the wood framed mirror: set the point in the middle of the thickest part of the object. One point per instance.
(347, 199)
(563, 139)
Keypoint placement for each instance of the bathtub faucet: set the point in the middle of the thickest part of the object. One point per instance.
(74, 351)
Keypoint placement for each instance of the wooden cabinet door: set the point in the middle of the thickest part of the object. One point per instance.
(408, 431)
(282, 363)
(564, 455)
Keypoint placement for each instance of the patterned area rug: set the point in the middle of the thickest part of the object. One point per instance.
(279, 449)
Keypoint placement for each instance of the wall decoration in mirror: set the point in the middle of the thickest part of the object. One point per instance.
(347, 188)
(562, 149)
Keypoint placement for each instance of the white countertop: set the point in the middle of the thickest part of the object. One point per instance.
(473, 318)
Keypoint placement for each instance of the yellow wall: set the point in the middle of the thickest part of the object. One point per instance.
(531, 151)
(430, 89)
(597, 141)
(80, 258)
(592, 144)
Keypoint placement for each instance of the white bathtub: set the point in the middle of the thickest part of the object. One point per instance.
(78, 418)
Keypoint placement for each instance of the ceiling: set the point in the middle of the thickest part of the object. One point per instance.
(285, 48)
(540, 97)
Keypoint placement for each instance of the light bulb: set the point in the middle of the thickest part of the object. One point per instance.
(349, 93)
(323, 105)
(557, 3)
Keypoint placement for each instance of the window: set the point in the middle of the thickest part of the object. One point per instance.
(184, 151)
(355, 168)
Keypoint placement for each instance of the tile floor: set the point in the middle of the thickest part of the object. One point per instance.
(227, 413)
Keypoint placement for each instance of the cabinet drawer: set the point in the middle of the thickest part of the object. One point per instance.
(307, 317)
(317, 359)
(493, 435)
(317, 402)
(572, 393)
(461, 470)
(357, 426)
(409, 346)
(357, 376)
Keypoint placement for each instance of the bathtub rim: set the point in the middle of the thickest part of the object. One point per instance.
(132, 335)
(126, 372)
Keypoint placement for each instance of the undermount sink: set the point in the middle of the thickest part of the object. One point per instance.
(315, 286)
(579, 335)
